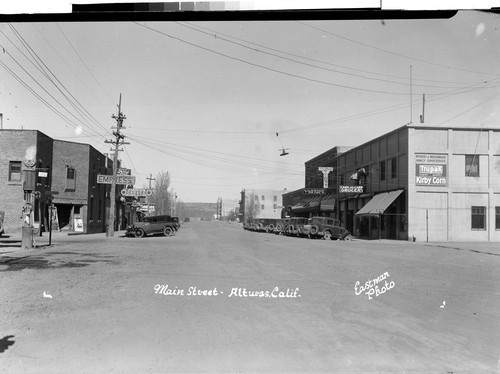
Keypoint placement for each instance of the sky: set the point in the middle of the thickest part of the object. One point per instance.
(213, 103)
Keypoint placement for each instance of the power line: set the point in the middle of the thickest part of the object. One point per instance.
(82, 61)
(45, 90)
(394, 53)
(207, 159)
(271, 69)
(217, 36)
(38, 60)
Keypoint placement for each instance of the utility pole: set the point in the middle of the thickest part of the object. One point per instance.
(150, 179)
(148, 200)
(422, 116)
(117, 143)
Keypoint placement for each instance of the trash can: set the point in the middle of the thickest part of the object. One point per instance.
(27, 237)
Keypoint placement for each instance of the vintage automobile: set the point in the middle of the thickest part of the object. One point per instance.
(163, 224)
(292, 225)
(266, 224)
(176, 223)
(260, 224)
(325, 227)
(281, 225)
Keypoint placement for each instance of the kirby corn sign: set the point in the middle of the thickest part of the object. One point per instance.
(430, 170)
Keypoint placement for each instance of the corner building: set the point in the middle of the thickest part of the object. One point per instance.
(418, 182)
(66, 173)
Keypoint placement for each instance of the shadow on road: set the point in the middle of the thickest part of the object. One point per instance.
(5, 343)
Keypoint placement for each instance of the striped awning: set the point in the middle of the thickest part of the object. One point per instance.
(328, 203)
(379, 203)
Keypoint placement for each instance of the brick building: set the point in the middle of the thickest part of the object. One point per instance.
(318, 196)
(22, 150)
(67, 171)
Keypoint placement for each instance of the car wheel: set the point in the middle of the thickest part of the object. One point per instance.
(327, 235)
(348, 237)
(314, 229)
(139, 233)
(167, 231)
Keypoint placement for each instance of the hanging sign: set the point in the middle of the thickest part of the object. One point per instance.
(136, 192)
(325, 171)
(120, 179)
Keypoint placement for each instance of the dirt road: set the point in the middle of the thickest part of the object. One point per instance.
(216, 298)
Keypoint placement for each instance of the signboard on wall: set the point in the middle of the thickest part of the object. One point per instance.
(351, 189)
(120, 179)
(431, 170)
(314, 191)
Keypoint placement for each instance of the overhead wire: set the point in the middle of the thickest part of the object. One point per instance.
(218, 33)
(271, 69)
(392, 52)
(216, 162)
(80, 109)
(83, 62)
(218, 37)
(38, 96)
(209, 154)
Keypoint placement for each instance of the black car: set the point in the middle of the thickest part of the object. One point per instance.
(166, 225)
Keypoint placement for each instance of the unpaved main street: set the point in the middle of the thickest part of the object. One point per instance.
(310, 305)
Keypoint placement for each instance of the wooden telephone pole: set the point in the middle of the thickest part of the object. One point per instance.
(117, 143)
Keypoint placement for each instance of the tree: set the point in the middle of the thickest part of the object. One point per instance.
(161, 196)
(252, 208)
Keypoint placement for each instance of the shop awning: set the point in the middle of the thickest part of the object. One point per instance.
(309, 203)
(379, 203)
(328, 203)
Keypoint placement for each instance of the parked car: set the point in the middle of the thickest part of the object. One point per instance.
(293, 224)
(176, 223)
(164, 224)
(325, 227)
(281, 225)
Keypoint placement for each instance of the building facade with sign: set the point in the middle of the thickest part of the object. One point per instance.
(418, 182)
(318, 198)
(65, 175)
(454, 183)
(82, 203)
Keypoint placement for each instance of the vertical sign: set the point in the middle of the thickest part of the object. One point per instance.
(430, 170)
(325, 171)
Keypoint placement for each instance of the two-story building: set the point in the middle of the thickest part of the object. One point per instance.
(66, 176)
(417, 182)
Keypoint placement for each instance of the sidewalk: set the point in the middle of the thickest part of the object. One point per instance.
(10, 245)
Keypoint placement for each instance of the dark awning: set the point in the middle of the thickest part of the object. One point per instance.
(379, 203)
(310, 203)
